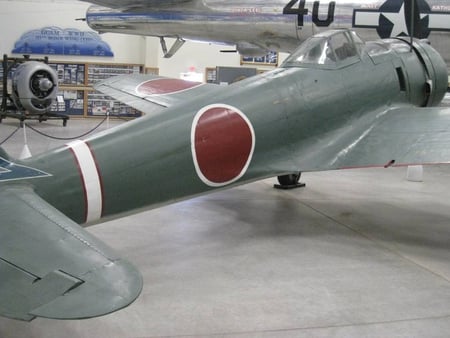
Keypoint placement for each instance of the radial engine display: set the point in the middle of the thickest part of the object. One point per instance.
(29, 91)
(34, 87)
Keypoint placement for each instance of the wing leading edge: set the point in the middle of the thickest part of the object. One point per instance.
(396, 137)
(51, 267)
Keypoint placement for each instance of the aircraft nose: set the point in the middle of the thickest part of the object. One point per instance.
(436, 70)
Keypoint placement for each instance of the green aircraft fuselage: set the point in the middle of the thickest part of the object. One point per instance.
(293, 118)
(335, 103)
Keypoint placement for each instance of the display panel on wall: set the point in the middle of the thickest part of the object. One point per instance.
(69, 102)
(99, 104)
(99, 71)
(52, 40)
(76, 94)
(270, 59)
(70, 73)
(211, 75)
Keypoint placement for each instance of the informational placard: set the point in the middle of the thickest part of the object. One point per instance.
(62, 41)
(69, 73)
(69, 102)
(270, 59)
(100, 104)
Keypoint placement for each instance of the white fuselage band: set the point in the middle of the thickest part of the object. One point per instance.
(91, 179)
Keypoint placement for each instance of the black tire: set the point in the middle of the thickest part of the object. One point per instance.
(290, 179)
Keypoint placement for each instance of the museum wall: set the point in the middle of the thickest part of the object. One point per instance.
(18, 17)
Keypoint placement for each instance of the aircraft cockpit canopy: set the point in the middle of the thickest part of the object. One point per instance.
(328, 49)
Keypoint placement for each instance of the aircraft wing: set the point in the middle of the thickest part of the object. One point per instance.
(135, 4)
(51, 267)
(396, 137)
(149, 93)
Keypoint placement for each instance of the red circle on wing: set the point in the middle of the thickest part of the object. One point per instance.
(223, 144)
(164, 86)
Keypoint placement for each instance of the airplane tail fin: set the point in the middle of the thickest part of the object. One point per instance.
(16, 169)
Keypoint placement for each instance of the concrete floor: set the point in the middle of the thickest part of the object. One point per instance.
(357, 253)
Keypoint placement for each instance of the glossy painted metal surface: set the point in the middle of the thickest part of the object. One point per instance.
(298, 117)
(50, 267)
(335, 103)
(257, 26)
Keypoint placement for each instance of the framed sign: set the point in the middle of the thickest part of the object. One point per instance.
(59, 41)
(270, 59)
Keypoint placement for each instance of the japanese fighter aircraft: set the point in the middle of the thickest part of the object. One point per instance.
(335, 103)
(258, 26)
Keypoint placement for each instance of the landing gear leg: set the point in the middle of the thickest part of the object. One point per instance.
(290, 181)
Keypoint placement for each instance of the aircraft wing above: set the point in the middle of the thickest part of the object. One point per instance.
(51, 267)
(397, 137)
(135, 4)
(151, 94)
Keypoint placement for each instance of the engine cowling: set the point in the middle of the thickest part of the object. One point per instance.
(436, 72)
(425, 77)
(34, 87)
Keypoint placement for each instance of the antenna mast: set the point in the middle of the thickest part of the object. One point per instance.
(411, 28)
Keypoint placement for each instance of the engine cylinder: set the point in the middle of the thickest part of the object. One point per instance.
(34, 87)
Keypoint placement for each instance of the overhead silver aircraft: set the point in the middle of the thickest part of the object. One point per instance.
(258, 26)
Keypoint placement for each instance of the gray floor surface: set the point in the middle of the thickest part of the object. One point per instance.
(357, 253)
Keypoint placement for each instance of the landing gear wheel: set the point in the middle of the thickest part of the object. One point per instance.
(289, 181)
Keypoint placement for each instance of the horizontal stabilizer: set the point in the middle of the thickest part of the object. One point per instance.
(51, 267)
(10, 171)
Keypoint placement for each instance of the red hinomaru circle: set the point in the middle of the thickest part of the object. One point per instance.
(164, 86)
(222, 141)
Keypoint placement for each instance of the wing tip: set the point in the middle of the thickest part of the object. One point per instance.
(105, 290)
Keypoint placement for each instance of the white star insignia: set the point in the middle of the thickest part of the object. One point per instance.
(398, 20)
